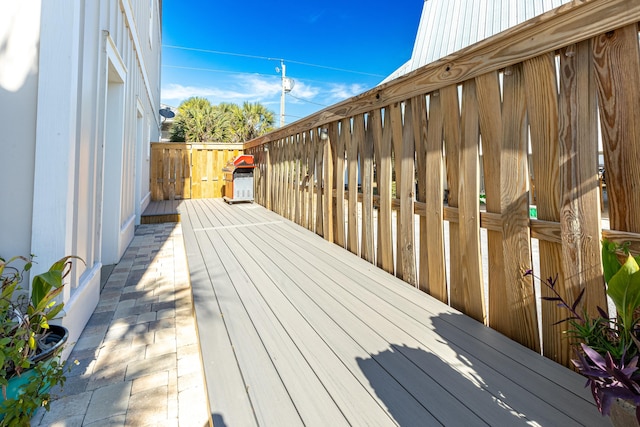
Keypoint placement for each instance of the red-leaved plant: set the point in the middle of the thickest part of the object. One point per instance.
(607, 348)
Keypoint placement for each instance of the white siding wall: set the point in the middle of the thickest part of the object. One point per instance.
(447, 26)
(59, 156)
(19, 39)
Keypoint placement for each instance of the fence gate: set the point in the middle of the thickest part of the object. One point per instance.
(207, 161)
(189, 171)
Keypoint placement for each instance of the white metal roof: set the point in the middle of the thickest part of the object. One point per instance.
(447, 26)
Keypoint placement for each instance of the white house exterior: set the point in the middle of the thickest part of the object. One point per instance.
(447, 26)
(79, 101)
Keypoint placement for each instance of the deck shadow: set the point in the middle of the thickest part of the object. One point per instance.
(465, 385)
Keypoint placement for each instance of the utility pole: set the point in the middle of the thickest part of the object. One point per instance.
(287, 85)
(283, 92)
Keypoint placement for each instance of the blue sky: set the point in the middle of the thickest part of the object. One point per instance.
(217, 50)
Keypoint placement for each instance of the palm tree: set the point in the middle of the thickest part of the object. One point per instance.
(199, 121)
(252, 121)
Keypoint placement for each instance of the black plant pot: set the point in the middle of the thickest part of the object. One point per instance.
(58, 335)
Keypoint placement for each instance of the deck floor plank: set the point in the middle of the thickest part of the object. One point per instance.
(228, 399)
(347, 339)
(270, 398)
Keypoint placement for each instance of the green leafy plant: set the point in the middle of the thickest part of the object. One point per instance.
(25, 335)
(607, 348)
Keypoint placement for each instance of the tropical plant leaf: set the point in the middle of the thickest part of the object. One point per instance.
(624, 290)
(610, 262)
(577, 301)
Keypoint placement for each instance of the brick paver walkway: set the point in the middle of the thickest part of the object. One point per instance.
(138, 357)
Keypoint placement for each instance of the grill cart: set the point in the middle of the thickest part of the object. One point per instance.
(238, 179)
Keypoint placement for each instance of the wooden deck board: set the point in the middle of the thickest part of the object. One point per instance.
(349, 342)
(161, 211)
(228, 399)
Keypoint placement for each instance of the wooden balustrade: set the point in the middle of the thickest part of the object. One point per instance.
(347, 171)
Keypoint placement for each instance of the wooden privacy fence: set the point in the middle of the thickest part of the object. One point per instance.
(188, 170)
(546, 83)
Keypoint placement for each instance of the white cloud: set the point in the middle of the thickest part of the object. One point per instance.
(236, 90)
(180, 93)
(266, 90)
(259, 87)
(305, 91)
(340, 92)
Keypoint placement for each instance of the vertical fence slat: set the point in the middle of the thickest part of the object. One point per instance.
(275, 184)
(368, 157)
(287, 177)
(451, 110)
(542, 107)
(437, 284)
(186, 176)
(396, 135)
(305, 181)
(489, 99)
(329, 201)
(312, 179)
(419, 106)
(406, 231)
(269, 177)
(320, 187)
(340, 171)
(292, 177)
(332, 133)
(580, 223)
(296, 179)
(352, 180)
(156, 172)
(382, 142)
(514, 178)
(281, 176)
(276, 176)
(365, 146)
(166, 176)
(617, 67)
(469, 207)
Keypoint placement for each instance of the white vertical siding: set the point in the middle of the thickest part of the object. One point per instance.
(56, 113)
(19, 36)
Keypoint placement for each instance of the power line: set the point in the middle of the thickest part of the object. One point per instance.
(306, 100)
(219, 71)
(243, 55)
(213, 70)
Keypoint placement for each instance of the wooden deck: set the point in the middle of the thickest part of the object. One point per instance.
(297, 331)
(161, 211)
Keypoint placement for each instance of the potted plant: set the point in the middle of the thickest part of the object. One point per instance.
(29, 346)
(607, 349)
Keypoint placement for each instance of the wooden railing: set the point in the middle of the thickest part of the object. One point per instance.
(546, 83)
(188, 170)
